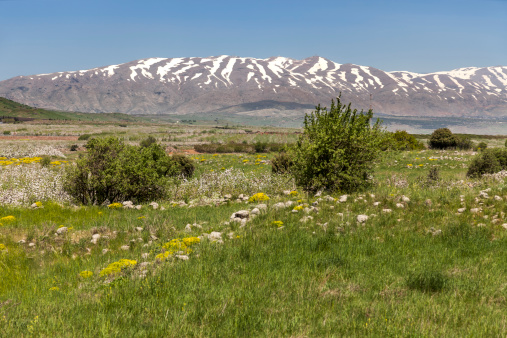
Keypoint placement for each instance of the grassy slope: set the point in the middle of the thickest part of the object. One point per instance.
(389, 277)
(14, 109)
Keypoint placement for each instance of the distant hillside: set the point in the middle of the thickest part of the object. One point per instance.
(12, 109)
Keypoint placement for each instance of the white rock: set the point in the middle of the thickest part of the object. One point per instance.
(428, 202)
(31, 245)
(241, 214)
(295, 211)
(483, 194)
(105, 251)
(162, 208)
(288, 204)
(405, 199)
(21, 241)
(154, 205)
(138, 207)
(255, 211)
(145, 255)
(62, 230)
(399, 205)
(386, 210)
(228, 196)
(343, 199)
(243, 222)
(362, 218)
(437, 232)
(329, 199)
(286, 192)
(278, 206)
(462, 210)
(498, 198)
(215, 236)
(262, 207)
(125, 247)
(188, 228)
(318, 193)
(139, 229)
(376, 204)
(236, 220)
(182, 257)
(504, 226)
(474, 210)
(481, 225)
(372, 196)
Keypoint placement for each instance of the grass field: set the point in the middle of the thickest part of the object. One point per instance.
(417, 265)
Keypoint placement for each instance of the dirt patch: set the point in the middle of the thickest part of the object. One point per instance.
(42, 138)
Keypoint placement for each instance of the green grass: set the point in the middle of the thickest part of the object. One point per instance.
(388, 277)
(9, 108)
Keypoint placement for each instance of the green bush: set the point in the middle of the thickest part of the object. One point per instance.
(45, 161)
(84, 137)
(148, 141)
(489, 161)
(74, 147)
(404, 141)
(464, 142)
(281, 163)
(481, 146)
(7, 132)
(443, 138)
(337, 149)
(113, 171)
(185, 165)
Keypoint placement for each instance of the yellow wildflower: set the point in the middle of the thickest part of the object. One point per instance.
(277, 223)
(54, 288)
(8, 219)
(115, 205)
(260, 196)
(86, 274)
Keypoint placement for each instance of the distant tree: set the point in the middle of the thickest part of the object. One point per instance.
(442, 138)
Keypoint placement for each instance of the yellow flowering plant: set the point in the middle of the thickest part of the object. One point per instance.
(117, 267)
(86, 274)
(259, 197)
(115, 205)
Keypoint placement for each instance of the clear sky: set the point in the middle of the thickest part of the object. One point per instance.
(44, 36)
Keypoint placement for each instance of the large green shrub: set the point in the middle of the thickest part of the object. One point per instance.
(281, 163)
(489, 161)
(114, 171)
(404, 141)
(337, 149)
(464, 142)
(443, 138)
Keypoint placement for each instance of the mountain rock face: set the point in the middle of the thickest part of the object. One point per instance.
(235, 85)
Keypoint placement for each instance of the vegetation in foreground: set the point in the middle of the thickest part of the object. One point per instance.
(236, 250)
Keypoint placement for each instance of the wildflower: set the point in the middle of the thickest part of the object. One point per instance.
(258, 197)
(54, 288)
(2, 247)
(116, 267)
(38, 204)
(142, 217)
(244, 161)
(8, 219)
(299, 207)
(100, 213)
(189, 241)
(115, 205)
(277, 223)
(300, 201)
(409, 165)
(293, 193)
(203, 159)
(86, 274)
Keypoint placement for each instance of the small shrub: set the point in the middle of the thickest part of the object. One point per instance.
(404, 141)
(464, 142)
(443, 138)
(489, 161)
(433, 174)
(505, 143)
(281, 164)
(45, 161)
(148, 141)
(427, 281)
(73, 147)
(84, 137)
(260, 147)
(7, 132)
(481, 146)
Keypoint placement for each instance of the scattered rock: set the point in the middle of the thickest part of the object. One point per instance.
(228, 196)
(498, 198)
(154, 205)
(462, 210)
(139, 229)
(262, 207)
(386, 210)
(288, 204)
(405, 199)
(428, 202)
(128, 205)
(145, 255)
(21, 241)
(319, 193)
(62, 230)
(329, 199)
(279, 205)
(125, 247)
(376, 204)
(139, 207)
(481, 225)
(31, 245)
(483, 194)
(240, 214)
(182, 257)
(255, 211)
(215, 236)
(474, 210)
(105, 251)
(343, 199)
(400, 205)
(504, 226)
(362, 218)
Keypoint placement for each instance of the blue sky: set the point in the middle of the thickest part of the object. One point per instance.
(43, 36)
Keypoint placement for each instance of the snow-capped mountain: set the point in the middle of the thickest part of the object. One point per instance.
(235, 84)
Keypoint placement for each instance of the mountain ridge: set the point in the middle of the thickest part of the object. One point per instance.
(193, 84)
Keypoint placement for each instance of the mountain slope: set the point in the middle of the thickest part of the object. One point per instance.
(194, 85)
